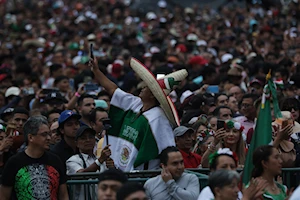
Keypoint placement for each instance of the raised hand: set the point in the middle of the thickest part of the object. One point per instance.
(219, 135)
(165, 174)
(105, 154)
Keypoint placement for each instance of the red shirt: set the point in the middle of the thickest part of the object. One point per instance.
(190, 160)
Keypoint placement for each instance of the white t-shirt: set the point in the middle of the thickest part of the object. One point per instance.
(206, 194)
(296, 194)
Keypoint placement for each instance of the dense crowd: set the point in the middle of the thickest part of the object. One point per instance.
(96, 86)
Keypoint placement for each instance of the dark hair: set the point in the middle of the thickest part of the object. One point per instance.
(82, 97)
(21, 110)
(214, 163)
(216, 112)
(288, 102)
(129, 188)
(207, 71)
(103, 93)
(54, 68)
(221, 178)
(112, 174)
(92, 116)
(164, 155)
(60, 78)
(250, 96)
(260, 154)
(283, 71)
(218, 95)
(53, 111)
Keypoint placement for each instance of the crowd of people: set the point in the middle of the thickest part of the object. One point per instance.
(96, 86)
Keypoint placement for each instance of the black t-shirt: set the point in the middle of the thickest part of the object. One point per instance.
(63, 151)
(34, 178)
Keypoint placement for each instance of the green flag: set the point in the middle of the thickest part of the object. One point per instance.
(263, 129)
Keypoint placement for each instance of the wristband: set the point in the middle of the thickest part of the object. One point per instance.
(97, 162)
(77, 94)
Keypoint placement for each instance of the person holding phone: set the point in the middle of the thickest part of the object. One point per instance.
(173, 183)
(228, 135)
(140, 125)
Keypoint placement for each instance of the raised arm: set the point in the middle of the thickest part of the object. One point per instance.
(109, 86)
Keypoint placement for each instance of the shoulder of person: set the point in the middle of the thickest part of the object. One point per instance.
(206, 194)
(153, 180)
(74, 158)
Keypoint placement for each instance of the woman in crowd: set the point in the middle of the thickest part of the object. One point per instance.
(224, 184)
(267, 165)
(228, 137)
(203, 135)
(292, 105)
(224, 159)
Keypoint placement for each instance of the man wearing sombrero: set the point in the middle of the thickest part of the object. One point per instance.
(141, 126)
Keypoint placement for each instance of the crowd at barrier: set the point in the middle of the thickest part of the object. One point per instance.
(95, 86)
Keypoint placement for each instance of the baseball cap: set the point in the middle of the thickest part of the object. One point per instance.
(181, 130)
(256, 81)
(113, 174)
(12, 91)
(101, 103)
(54, 96)
(82, 130)
(67, 114)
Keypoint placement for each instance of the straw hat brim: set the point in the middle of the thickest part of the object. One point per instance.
(165, 102)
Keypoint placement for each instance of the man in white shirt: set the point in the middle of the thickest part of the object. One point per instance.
(86, 161)
(173, 183)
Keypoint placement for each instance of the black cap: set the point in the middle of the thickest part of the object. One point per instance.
(82, 129)
(55, 96)
(113, 174)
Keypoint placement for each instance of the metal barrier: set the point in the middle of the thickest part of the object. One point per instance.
(83, 182)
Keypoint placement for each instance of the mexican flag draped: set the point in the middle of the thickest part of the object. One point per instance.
(263, 130)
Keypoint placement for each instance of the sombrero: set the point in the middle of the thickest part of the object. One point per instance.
(161, 88)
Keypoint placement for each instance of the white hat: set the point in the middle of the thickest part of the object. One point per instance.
(162, 4)
(154, 50)
(185, 95)
(91, 36)
(76, 60)
(226, 57)
(192, 37)
(161, 88)
(151, 16)
(188, 10)
(12, 91)
(201, 43)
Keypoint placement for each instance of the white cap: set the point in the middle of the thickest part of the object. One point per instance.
(147, 55)
(185, 95)
(76, 60)
(91, 36)
(192, 37)
(154, 50)
(201, 43)
(12, 91)
(162, 4)
(151, 16)
(120, 62)
(226, 57)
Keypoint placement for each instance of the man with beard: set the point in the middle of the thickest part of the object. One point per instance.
(86, 104)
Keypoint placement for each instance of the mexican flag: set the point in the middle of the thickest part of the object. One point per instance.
(263, 129)
(136, 138)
